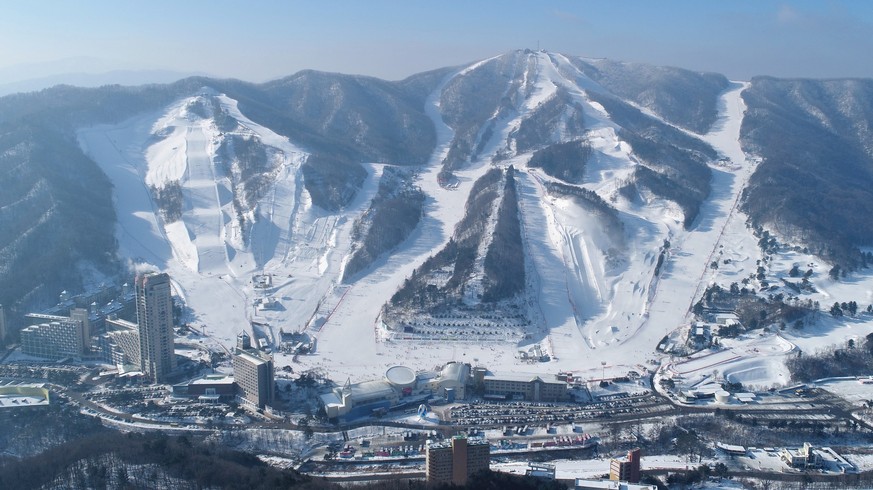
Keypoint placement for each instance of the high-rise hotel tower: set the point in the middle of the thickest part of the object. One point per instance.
(154, 315)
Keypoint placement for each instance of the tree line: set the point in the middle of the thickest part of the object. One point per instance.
(394, 213)
(852, 359)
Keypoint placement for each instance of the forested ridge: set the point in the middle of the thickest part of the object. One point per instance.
(814, 184)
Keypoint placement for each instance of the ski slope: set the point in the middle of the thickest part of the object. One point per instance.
(212, 268)
(587, 311)
(593, 297)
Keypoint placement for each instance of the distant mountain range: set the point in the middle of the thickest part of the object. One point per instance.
(77, 79)
(623, 142)
(81, 72)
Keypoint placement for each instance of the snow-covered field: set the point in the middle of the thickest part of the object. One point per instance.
(753, 360)
(596, 301)
(856, 391)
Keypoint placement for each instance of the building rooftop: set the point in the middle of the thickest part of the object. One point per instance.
(524, 377)
(372, 389)
(745, 397)
(832, 458)
(252, 358)
(44, 316)
(400, 375)
(331, 400)
(128, 370)
(455, 371)
(731, 448)
(118, 322)
(213, 379)
(471, 441)
(23, 395)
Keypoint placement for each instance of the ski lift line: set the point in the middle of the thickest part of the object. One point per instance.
(329, 315)
(748, 172)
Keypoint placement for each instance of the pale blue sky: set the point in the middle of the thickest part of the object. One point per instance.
(263, 39)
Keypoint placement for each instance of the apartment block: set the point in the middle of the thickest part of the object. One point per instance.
(120, 343)
(454, 460)
(628, 469)
(54, 340)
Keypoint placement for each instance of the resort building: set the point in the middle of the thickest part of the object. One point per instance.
(401, 386)
(451, 381)
(55, 336)
(154, 315)
(54, 340)
(209, 388)
(519, 386)
(254, 375)
(120, 343)
(454, 460)
(627, 470)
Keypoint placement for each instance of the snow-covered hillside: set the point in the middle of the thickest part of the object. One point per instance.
(607, 276)
(219, 245)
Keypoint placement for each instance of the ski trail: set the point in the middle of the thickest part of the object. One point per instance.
(687, 269)
(204, 217)
(357, 308)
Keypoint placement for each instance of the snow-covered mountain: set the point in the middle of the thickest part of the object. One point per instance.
(547, 197)
(534, 201)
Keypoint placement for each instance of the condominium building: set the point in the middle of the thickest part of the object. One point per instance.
(253, 374)
(454, 460)
(628, 469)
(51, 336)
(81, 315)
(154, 315)
(54, 340)
(120, 343)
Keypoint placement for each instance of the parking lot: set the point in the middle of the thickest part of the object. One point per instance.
(490, 414)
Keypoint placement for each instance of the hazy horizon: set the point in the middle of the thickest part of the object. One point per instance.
(392, 40)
